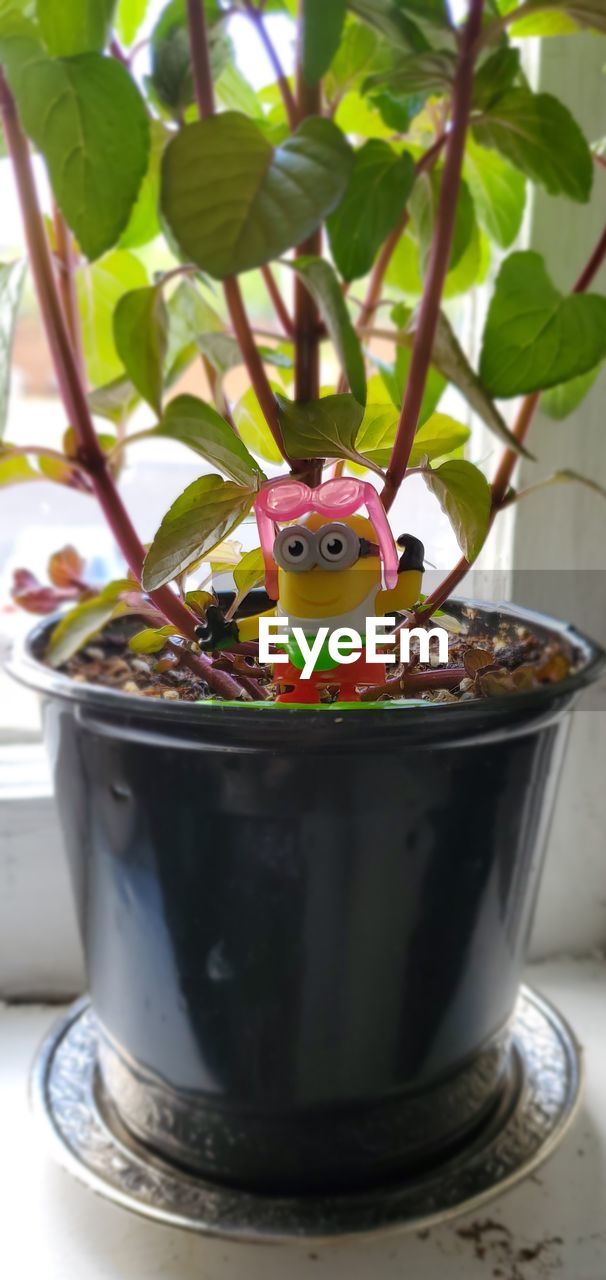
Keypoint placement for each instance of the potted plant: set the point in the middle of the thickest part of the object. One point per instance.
(304, 926)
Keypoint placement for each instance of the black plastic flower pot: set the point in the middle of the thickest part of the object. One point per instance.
(304, 928)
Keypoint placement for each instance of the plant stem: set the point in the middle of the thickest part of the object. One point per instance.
(510, 457)
(222, 683)
(381, 266)
(493, 30)
(416, 683)
(440, 256)
(67, 286)
(307, 320)
(72, 391)
(205, 99)
(290, 106)
(200, 57)
(307, 328)
(278, 301)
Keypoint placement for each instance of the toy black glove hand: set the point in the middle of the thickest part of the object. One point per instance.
(215, 632)
(413, 553)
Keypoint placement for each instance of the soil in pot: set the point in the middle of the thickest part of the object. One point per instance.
(481, 664)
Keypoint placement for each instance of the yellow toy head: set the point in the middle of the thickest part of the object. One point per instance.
(326, 567)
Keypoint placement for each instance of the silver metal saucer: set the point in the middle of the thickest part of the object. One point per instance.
(90, 1142)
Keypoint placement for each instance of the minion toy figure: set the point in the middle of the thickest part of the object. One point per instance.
(326, 567)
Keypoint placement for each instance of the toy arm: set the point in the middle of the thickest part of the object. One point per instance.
(216, 633)
(410, 578)
(248, 628)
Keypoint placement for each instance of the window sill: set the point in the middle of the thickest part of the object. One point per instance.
(559, 1209)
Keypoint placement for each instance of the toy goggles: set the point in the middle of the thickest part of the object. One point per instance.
(287, 499)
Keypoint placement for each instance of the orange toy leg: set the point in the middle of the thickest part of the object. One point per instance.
(302, 690)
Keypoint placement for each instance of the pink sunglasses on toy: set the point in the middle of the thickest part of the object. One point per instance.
(286, 499)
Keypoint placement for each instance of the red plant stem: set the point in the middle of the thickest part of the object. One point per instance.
(307, 320)
(219, 681)
(205, 99)
(253, 362)
(307, 327)
(510, 458)
(118, 53)
(440, 255)
(418, 682)
(278, 301)
(592, 266)
(290, 106)
(90, 454)
(380, 269)
(200, 57)
(65, 261)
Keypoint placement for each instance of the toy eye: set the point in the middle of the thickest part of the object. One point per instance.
(333, 547)
(294, 549)
(338, 547)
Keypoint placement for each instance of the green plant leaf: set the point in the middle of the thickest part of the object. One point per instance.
(498, 190)
(438, 436)
(115, 401)
(83, 622)
(565, 476)
(404, 271)
(534, 336)
(353, 59)
(398, 110)
(319, 278)
(250, 571)
(558, 17)
(233, 202)
(325, 428)
(202, 516)
(69, 27)
(198, 601)
(221, 349)
(465, 497)
(562, 400)
(495, 76)
(129, 17)
(12, 275)
(151, 639)
(201, 428)
(424, 204)
(431, 72)
(253, 429)
(536, 133)
(248, 574)
(171, 73)
(141, 338)
(395, 378)
(360, 117)
(88, 119)
(388, 17)
(144, 223)
(99, 288)
(236, 94)
(434, 11)
(15, 469)
(189, 316)
(322, 28)
(375, 199)
(451, 361)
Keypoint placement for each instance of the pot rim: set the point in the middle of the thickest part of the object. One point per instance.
(238, 722)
